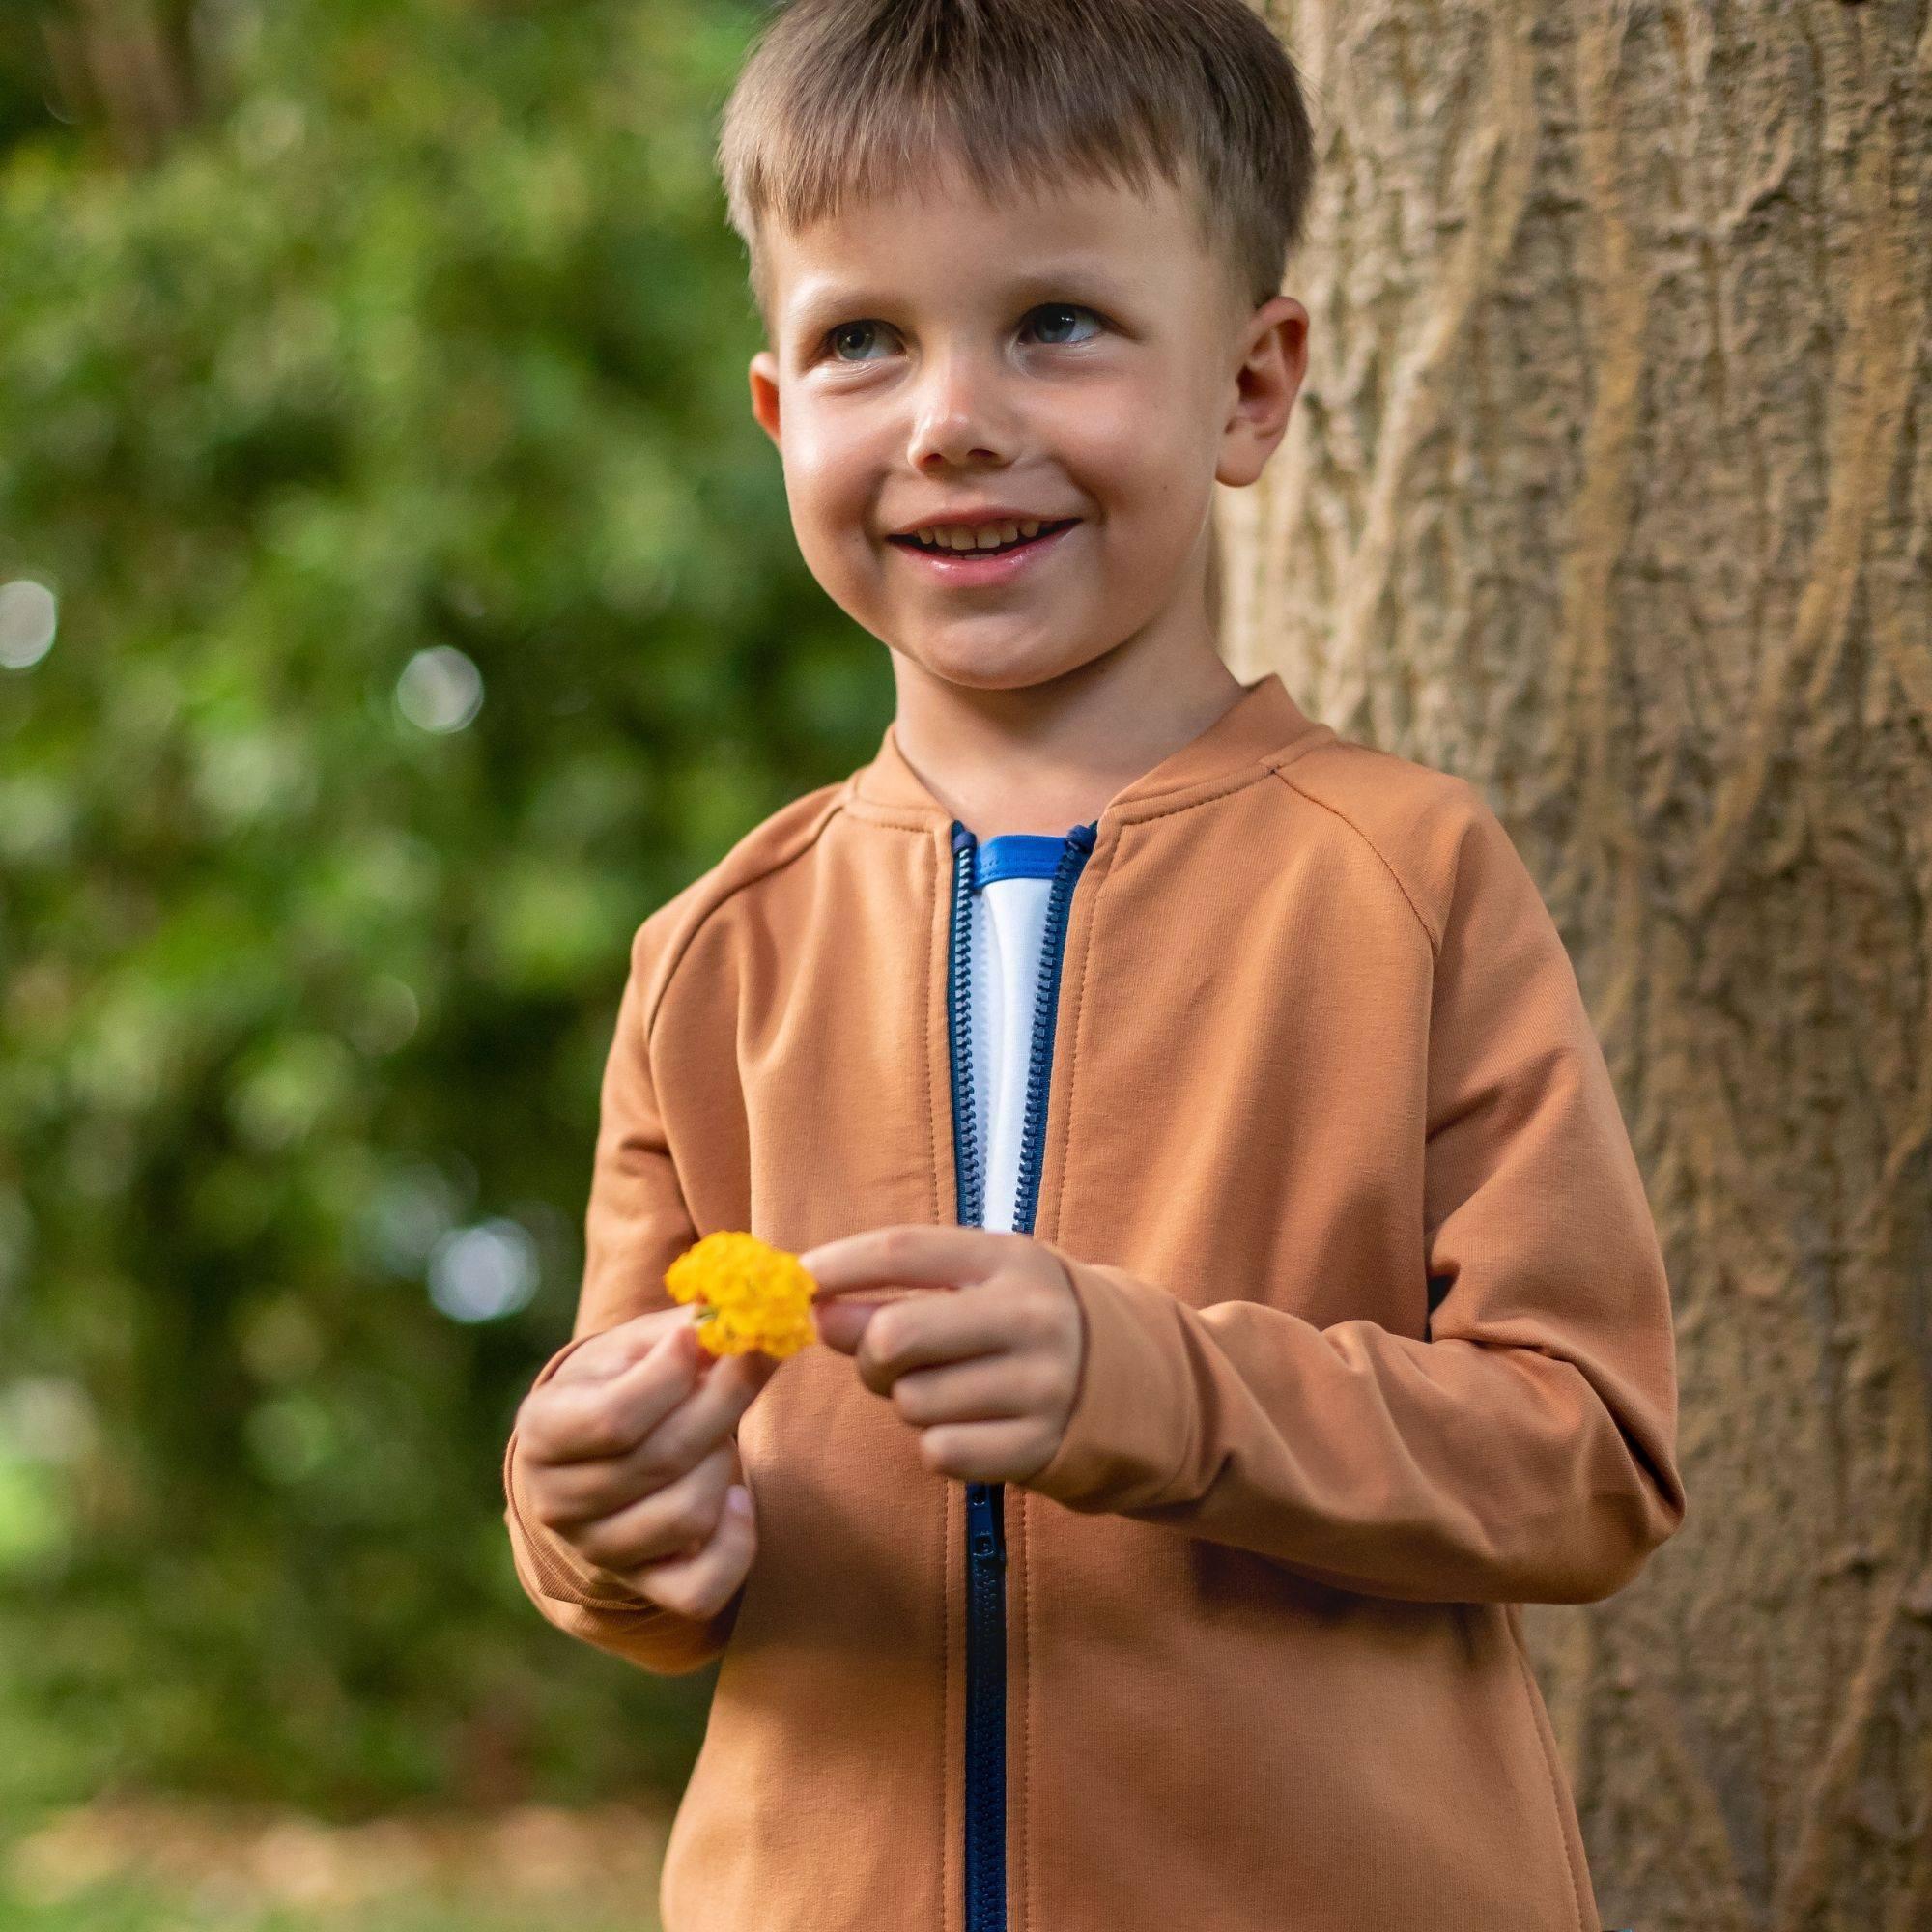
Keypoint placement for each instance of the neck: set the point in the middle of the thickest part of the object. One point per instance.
(1044, 758)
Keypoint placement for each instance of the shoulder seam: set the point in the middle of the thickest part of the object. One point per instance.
(1422, 918)
(815, 830)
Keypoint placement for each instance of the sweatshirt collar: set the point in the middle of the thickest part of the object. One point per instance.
(1262, 722)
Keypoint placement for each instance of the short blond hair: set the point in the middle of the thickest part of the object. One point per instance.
(844, 99)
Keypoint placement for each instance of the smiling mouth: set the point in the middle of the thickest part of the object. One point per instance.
(1044, 531)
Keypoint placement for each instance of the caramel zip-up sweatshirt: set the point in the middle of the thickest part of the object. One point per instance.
(1379, 1347)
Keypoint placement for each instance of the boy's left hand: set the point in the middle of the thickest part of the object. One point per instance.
(987, 1373)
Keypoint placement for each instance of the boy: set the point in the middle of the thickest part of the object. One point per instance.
(1238, 1289)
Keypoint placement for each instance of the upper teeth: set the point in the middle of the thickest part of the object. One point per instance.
(959, 536)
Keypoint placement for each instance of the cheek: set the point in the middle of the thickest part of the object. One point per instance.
(827, 467)
(809, 485)
(1125, 452)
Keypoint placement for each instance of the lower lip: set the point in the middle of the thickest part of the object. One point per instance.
(963, 567)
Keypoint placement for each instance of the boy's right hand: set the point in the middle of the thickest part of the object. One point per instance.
(628, 1452)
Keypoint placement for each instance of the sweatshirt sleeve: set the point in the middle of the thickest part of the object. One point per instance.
(1524, 1452)
(635, 1226)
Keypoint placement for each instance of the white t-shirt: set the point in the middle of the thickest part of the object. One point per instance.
(1012, 882)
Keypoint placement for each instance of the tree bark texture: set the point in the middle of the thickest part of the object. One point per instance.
(1610, 487)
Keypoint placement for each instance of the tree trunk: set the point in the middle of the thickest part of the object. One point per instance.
(1609, 488)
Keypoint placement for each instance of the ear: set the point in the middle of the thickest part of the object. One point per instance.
(1273, 347)
(764, 374)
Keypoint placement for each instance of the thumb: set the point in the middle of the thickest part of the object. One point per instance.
(752, 1368)
(841, 1324)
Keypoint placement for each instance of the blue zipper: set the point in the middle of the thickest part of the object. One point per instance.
(986, 1503)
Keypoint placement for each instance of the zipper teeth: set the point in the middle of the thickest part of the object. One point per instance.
(985, 1617)
(968, 1182)
(986, 1503)
(1032, 1137)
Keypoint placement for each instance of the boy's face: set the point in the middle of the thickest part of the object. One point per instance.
(1081, 355)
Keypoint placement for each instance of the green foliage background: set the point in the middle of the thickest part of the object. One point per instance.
(416, 327)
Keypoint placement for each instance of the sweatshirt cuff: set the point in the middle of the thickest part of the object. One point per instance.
(1133, 1425)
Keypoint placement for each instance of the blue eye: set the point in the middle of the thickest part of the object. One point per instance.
(1065, 308)
(847, 329)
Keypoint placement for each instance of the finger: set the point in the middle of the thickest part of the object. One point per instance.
(707, 1416)
(991, 1388)
(841, 1323)
(670, 1522)
(933, 1329)
(910, 1253)
(611, 1350)
(987, 1452)
(570, 1422)
(703, 1584)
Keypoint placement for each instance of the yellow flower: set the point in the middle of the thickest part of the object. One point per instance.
(751, 1294)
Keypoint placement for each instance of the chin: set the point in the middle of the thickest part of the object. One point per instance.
(997, 665)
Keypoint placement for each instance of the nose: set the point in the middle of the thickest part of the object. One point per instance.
(958, 419)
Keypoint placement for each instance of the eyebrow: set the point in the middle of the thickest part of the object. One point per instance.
(819, 304)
